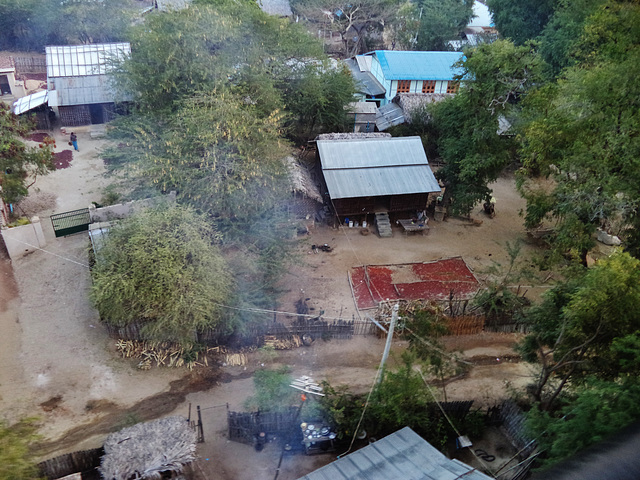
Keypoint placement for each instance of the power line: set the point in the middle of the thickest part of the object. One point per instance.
(50, 253)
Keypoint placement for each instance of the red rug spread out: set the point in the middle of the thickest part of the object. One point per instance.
(412, 281)
(62, 159)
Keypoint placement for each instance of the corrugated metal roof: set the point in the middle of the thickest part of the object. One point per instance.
(365, 82)
(389, 115)
(375, 167)
(29, 102)
(404, 65)
(403, 455)
(85, 90)
(83, 60)
(364, 63)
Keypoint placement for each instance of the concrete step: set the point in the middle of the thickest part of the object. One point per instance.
(383, 224)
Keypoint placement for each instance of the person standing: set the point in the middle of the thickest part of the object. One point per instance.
(74, 141)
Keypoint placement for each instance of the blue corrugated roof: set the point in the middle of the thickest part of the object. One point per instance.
(404, 65)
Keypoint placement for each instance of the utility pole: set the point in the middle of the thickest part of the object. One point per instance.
(387, 347)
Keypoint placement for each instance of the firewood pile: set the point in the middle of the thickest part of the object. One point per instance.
(164, 354)
(281, 343)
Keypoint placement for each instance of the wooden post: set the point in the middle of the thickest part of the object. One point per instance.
(200, 429)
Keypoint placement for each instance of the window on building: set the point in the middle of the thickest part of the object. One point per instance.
(5, 88)
(452, 87)
(404, 86)
(429, 86)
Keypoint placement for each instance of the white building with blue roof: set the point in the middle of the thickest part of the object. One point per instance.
(414, 72)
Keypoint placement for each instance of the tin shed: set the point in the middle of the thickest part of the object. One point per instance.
(384, 174)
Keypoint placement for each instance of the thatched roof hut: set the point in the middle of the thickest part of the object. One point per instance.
(147, 450)
(301, 180)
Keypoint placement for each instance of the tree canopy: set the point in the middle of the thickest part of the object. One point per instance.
(161, 268)
(583, 130)
(353, 20)
(495, 78)
(19, 164)
(584, 326)
(33, 24)
(521, 21)
(441, 21)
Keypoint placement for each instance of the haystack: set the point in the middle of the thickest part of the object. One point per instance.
(147, 450)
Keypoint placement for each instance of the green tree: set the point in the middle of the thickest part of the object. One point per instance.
(595, 411)
(560, 37)
(584, 131)
(521, 21)
(316, 98)
(584, 327)
(273, 393)
(496, 76)
(401, 399)
(441, 21)
(216, 150)
(15, 457)
(210, 45)
(19, 164)
(161, 267)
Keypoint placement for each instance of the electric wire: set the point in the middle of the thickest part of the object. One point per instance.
(435, 399)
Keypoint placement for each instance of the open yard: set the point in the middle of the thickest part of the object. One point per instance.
(58, 363)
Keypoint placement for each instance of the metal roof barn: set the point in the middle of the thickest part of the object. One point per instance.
(403, 455)
(408, 65)
(375, 167)
(79, 74)
(83, 60)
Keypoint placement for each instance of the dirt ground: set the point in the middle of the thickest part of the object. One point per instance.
(58, 363)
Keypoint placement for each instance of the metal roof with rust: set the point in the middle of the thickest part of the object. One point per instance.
(403, 455)
(371, 167)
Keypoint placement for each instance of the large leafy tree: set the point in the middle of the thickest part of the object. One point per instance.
(162, 268)
(441, 21)
(584, 131)
(520, 20)
(596, 410)
(353, 20)
(33, 24)
(560, 37)
(210, 45)
(219, 153)
(19, 164)
(586, 326)
(496, 76)
(316, 97)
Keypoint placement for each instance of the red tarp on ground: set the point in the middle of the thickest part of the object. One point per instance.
(437, 280)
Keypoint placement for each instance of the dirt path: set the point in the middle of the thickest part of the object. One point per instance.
(56, 360)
